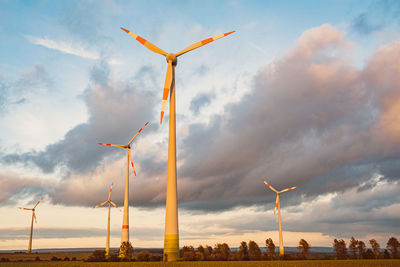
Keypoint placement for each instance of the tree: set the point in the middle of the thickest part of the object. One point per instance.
(143, 255)
(221, 252)
(125, 250)
(254, 251)
(201, 253)
(369, 254)
(244, 251)
(340, 248)
(393, 245)
(361, 249)
(270, 248)
(304, 248)
(375, 247)
(187, 253)
(353, 247)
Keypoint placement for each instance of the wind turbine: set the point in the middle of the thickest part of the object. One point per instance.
(33, 216)
(108, 224)
(171, 238)
(278, 205)
(125, 220)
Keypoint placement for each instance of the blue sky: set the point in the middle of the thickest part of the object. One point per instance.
(304, 93)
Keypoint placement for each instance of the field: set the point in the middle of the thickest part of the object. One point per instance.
(81, 255)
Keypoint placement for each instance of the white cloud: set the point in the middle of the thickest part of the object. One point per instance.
(68, 48)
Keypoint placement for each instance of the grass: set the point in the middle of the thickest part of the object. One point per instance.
(311, 263)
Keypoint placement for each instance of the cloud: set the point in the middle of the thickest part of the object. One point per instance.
(116, 111)
(377, 16)
(31, 81)
(310, 120)
(200, 101)
(68, 48)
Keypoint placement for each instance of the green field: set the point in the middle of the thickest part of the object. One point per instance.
(341, 263)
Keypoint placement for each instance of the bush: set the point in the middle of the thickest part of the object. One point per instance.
(37, 258)
(66, 259)
(143, 255)
(54, 258)
(73, 259)
(97, 256)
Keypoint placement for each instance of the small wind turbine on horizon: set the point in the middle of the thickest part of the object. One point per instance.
(33, 217)
(108, 223)
(171, 238)
(278, 205)
(125, 220)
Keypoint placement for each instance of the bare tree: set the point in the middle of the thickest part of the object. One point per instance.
(304, 248)
(375, 247)
(393, 245)
(270, 248)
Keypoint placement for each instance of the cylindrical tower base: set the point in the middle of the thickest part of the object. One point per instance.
(171, 248)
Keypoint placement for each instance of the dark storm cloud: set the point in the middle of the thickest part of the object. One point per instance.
(116, 112)
(309, 121)
(200, 101)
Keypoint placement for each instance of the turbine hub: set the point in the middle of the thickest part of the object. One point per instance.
(172, 58)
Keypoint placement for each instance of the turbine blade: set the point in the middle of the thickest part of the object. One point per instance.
(276, 203)
(137, 133)
(112, 203)
(24, 208)
(34, 216)
(101, 204)
(38, 202)
(288, 189)
(102, 144)
(109, 194)
(201, 43)
(167, 87)
(270, 187)
(130, 158)
(146, 43)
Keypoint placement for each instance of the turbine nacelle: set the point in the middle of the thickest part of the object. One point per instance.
(171, 57)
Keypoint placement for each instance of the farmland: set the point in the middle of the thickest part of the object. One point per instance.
(29, 260)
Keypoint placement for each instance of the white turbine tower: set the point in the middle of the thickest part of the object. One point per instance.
(33, 217)
(278, 205)
(108, 223)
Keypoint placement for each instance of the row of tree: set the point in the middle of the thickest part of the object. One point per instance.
(247, 251)
(357, 249)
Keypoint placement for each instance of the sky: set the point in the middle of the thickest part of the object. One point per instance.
(304, 93)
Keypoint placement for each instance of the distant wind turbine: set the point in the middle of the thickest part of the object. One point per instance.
(125, 220)
(33, 217)
(171, 238)
(278, 205)
(108, 224)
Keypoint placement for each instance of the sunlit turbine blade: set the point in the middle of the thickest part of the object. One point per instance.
(167, 87)
(201, 43)
(288, 189)
(112, 203)
(270, 187)
(102, 144)
(24, 208)
(276, 203)
(38, 203)
(34, 216)
(146, 43)
(109, 194)
(137, 133)
(130, 158)
(101, 204)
